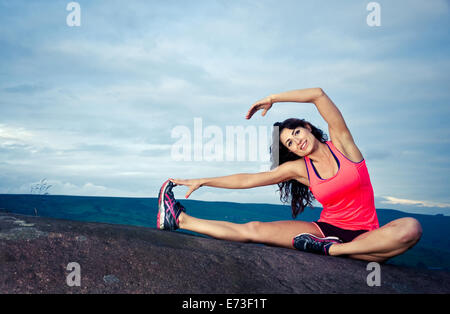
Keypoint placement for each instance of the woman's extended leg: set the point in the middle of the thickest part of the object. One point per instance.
(381, 244)
(278, 233)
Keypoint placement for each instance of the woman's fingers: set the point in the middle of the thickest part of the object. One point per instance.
(191, 189)
(265, 104)
(192, 186)
(188, 193)
(252, 110)
(249, 113)
(179, 181)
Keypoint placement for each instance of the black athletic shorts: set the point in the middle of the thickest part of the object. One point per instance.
(343, 234)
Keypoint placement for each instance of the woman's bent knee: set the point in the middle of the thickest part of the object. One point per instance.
(409, 231)
(252, 231)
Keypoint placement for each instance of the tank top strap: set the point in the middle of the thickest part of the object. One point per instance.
(309, 169)
(339, 155)
(333, 149)
(313, 177)
(336, 153)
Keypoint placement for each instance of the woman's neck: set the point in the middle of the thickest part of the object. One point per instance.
(321, 154)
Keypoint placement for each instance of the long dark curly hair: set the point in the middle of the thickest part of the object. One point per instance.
(299, 194)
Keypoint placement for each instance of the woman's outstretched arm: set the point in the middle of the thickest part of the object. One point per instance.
(286, 171)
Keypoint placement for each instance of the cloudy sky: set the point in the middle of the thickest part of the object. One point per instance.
(95, 108)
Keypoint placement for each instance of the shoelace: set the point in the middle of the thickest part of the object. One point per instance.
(170, 205)
(315, 245)
(179, 208)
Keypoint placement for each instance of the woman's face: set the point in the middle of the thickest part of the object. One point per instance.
(299, 141)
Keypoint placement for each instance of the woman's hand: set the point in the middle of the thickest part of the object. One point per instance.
(264, 104)
(192, 184)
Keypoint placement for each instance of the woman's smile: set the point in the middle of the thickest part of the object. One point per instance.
(304, 145)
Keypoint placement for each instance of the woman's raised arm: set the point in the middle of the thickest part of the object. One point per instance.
(339, 133)
(327, 109)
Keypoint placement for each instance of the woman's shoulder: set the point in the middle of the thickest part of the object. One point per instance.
(298, 166)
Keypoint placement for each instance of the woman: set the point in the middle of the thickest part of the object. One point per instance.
(334, 172)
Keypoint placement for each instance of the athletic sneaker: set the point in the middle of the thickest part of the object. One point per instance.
(310, 243)
(168, 208)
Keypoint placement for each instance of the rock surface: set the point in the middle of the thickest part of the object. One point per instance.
(35, 253)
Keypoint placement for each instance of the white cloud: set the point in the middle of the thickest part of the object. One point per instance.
(399, 201)
(11, 133)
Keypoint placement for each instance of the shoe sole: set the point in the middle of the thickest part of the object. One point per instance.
(161, 210)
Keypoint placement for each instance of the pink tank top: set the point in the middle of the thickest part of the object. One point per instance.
(347, 197)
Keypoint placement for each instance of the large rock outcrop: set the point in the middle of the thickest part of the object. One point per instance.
(35, 253)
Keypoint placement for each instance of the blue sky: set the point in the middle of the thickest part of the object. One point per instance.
(92, 108)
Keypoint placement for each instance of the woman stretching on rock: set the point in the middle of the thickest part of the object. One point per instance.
(333, 172)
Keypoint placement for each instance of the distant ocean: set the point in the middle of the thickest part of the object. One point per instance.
(432, 252)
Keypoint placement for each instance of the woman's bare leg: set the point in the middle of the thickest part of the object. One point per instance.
(379, 245)
(277, 233)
